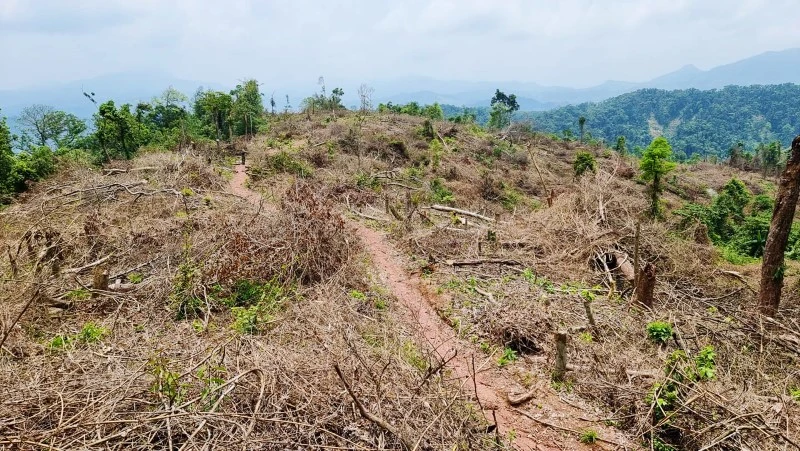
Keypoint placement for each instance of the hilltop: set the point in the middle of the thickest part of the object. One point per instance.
(386, 281)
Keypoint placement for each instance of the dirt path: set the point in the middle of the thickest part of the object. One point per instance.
(490, 385)
(237, 185)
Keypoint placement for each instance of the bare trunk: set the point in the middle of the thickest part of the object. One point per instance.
(646, 285)
(561, 357)
(769, 295)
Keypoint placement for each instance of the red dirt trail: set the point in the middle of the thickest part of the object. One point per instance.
(491, 383)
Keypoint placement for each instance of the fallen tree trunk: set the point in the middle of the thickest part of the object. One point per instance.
(486, 261)
(461, 212)
(110, 171)
(90, 265)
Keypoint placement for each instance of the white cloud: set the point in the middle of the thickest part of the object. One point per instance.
(284, 42)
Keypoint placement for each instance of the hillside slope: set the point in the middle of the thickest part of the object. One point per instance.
(395, 284)
(702, 122)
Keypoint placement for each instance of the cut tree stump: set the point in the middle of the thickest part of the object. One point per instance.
(561, 357)
(100, 279)
(646, 285)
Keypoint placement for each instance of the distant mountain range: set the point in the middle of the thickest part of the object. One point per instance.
(131, 87)
(764, 69)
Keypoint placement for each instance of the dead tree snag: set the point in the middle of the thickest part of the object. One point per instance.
(769, 294)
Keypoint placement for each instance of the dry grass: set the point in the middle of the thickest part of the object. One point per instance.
(119, 370)
(615, 366)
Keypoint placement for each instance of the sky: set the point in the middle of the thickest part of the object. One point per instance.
(574, 43)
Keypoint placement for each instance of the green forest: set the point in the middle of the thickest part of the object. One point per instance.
(706, 123)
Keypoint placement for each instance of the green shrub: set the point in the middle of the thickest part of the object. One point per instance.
(589, 437)
(705, 364)
(659, 331)
(91, 333)
(284, 162)
(509, 355)
(246, 319)
(584, 162)
(440, 193)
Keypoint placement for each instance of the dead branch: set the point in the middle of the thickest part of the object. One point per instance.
(461, 212)
(89, 266)
(380, 422)
(486, 261)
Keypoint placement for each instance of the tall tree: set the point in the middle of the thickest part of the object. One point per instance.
(44, 124)
(772, 267)
(214, 107)
(582, 125)
(503, 107)
(655, 165)
(248, 108)
(620, 146)
(365, 95)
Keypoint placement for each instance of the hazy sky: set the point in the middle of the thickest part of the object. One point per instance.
(554, 42)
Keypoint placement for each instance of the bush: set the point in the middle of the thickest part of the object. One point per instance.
(659, 331)
(286, 163)
(584, 162)
(440, 193)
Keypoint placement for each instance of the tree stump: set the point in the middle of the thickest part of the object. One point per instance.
(100, 279)
(646, 285)
(561, 357)
(701, 234)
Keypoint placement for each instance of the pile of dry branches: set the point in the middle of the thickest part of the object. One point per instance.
(82, 367)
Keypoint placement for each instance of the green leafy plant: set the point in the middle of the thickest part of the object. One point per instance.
(411, 354)
(584, 162)
(91, 333)
(589, 437)
(355, 294)
(81, 294)
(705, 363)
(795, 394)
(509, 356)
(659, 331)
(135, 277)
(246, 319)
(440, 193)
(166, 384)
(59, 342)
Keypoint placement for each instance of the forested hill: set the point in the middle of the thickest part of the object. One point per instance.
(694, 121)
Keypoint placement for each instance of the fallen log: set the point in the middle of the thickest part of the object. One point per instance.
(461, 212)
(487, 261)
(110, 171)
(90, 265)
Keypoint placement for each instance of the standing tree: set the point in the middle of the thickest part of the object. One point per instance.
(215, 107)
(621, 147)
(655, 165)
(272, 103)
(582, 125)
(248, 108)
(336, 100)
(45, 125)
(772, 267)
(736, 155)
(365, 95)
(503, 107)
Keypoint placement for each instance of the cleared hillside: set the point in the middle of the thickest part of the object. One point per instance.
(312, 316)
